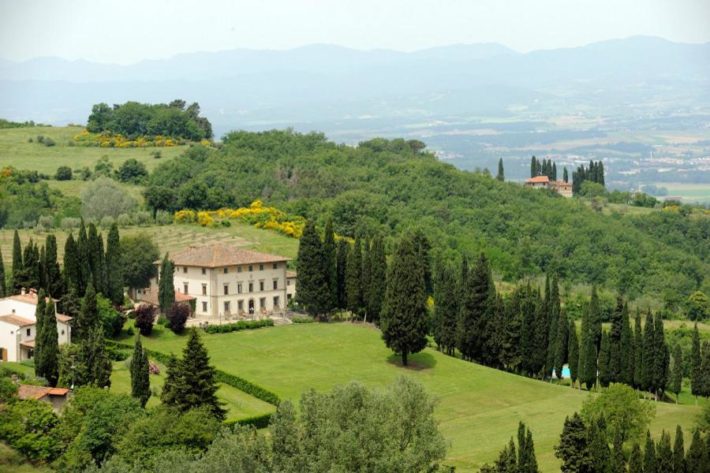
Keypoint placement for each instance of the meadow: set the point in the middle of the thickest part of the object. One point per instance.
(478, 408)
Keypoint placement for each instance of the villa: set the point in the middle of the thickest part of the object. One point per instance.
(543, 182)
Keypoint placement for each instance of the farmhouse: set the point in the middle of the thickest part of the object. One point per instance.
(55, 397)
(226, 280)
(543, 182)
(18, 326)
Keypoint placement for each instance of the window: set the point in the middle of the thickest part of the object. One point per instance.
(239, 269)
(62, 331)
(251, 268)
(204, 289)
(239, 288)
(240, 306)
(184, 269)
(261, 286)
(262, 303)
(288, 297)
(226, 289)
(204, 270)
(288, 282)
(276, 302)
(261, 267)
(184, 288)
(275, 266)
(276, 284)
(251, 287)
(226, 270)
(29, 332)
(226, 307)
(204, 307)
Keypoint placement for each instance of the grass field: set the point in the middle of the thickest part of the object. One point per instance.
(478, 407)
(17, 151)
(171, 238)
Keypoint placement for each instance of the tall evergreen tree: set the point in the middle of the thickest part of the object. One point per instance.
(96, 257)
(533, 167)
(553, 308)
(527, 463)
(588, 348)
(565, 176)
(677, 371)
(697, 457)
(83, 264)
(615, 346)
(664, 453)
(88, 316)
(196, 379)
(618, 458)
(329, 256)
(695, 362)
(140, 374)
(649, 354)
(562, 343)
(311, 283)
(166, 285)
(55, 282)
(47, 346)
(636, 459)
(627, 352)
(365, 276)
(573, 449)
(378, 279)
(445, 309)
(353, 278)
(114, 267)
(604, 361)
(40, 316)
(554, 172)
(422, 246)
(598, 446)
(705, 370)
(341, 264)
(72, 271)
(661, 359)
(473, 327)
(17, 280)
(3, 287)
(638, 352)
(94, 357)
(650, 463)
(595, 318)
(501, 172)
(404, 315)
(573, 353)
(679, 465)
(31, 266)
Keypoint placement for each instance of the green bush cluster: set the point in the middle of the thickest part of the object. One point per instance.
(260, 422)
(238, 326)
(302, 319)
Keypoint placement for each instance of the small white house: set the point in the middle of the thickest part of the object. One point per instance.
(18, 327)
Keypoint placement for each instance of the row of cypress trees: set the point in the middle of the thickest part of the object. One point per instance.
(585, 448)
(33, 267)
(594, 173)
(699, 365)
(545, 167)
(516, 460)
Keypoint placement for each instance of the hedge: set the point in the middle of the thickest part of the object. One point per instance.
(260, 422)
(302, 319)
(237, 326)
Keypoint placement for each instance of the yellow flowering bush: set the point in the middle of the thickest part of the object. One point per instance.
(115, 140)
(185, 216)
(205, 219)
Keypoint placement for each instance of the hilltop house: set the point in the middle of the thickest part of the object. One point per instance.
(543, 182)
(18, 326)
(227, 281)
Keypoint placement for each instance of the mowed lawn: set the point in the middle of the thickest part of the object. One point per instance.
(478, 407)
(17, 151)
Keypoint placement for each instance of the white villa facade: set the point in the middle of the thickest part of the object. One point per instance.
(18, 327)
(227, 281)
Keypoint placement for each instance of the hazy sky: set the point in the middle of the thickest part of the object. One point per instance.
(125, 31)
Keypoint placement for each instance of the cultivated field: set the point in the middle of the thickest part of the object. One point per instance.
(689, 193)
(478, 407)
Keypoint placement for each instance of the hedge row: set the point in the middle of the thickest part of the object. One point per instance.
(237, 326)
(302, 319)
(260, 422)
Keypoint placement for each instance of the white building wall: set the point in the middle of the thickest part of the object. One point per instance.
(9, 340)
(12, 307)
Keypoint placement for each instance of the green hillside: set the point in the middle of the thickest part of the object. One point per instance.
(479, 408)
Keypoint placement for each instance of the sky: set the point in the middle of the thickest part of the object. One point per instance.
(128, 31)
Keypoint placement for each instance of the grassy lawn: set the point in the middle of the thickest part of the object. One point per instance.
(478, 407)
(15, 150)
(73, 188)
(238, 404)
(170, 238)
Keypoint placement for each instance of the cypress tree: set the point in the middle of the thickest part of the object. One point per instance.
(341, 264)
(72, 272)
(378, 279)
(501, 172)
(627, 353)
(93, 355)
(649, 358)
(445, 309)
(88, 316)
(404, 315)
(598, 446)
(618, 459)
(554, 172)
(528, 307)
(677, 372)
(638, 352)
(40, 315)
(649, 456)
(329, 256)
(562, 343)
(553, 307)
(365, 276)
(47, 340)
(55, 283)
(3, 287)
(473, 328)
(661, 359)
(95, 257)
(30, 266)
(198, 386)
(42, 269)
(695, 363)
(615, 346)
(573, 353)
(140, 375)
(527, 463)
(604, 361)
(114, 268)
(533, 167)
(422, 246)
(573, 449)
(565, 176)
(635, 459)
(678, 452)
(166, 286)
(83, 251)
(664, 453)
(588, 350)
(595, 318)
(697, 457)
(17, 266)
(311, 283)
(540, 340)
(353, 277)
(705, 370)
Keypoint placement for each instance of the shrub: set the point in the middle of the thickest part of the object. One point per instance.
(124, 220)
(70, 223)
(241, 325)
(145, 317)
(107, 221)
(40, 139)
(177, 316)
(29, 427)
(64, 173)
(143, 218)
(163, 218)
(131, 170)
(45, 222)
(156, 154)
(49, 142)
(302, 319)
(104, 197)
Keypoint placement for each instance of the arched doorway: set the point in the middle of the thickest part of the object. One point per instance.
(251, 306)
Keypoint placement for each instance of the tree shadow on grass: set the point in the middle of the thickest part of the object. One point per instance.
(417, 362)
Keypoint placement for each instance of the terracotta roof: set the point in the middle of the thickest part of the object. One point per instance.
(538, 180)
(150, 295)
(219, 255)
(63, 318)
(28, 343)
(28, 391)
(29, 298)
(16, 320)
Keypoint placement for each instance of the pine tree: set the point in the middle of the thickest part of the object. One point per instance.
(627, 356)
(649, 351)
(664, 453)
(47, 346)
(638, 352)
(678, 452)
(527, 463)
(573, 449)
(618, 459)
(695, 362)
(365, 276)
(353, 278)
(573, 353)
(17, 281)
(341, 264)
(88, 315)
(311, 283)
(445, 309)
(697, 457)
(72, 272)
(40, 315)
(195, 378)
(378, 279)
(553, 308)
(635, 459)
(329, 257)
(3, 287)
(604, 361)
(166, 285)
(598, 446)
(588, 349)
(661, 359)
(562, 343)
(649, 456)
(677, 372)
(114, 267)
(95, 358)
(140, 375)
(30, 266)
(473, 328)
(404, 315)
(501, 172)
(83, 253)
(54, 281)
